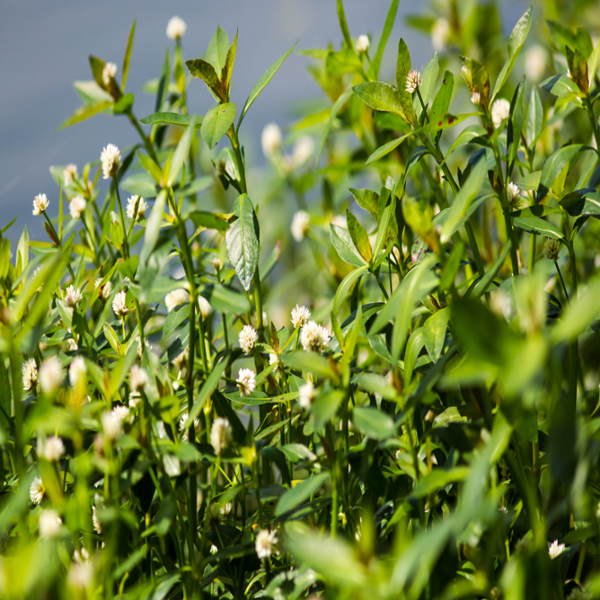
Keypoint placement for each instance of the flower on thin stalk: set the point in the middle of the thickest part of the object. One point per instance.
(265, 543)
(138, 378)
(77, 206)
(246, 382)
(119, 305)
(73, 296)
(513, 194)
(40, 204)
(176, 28)
(30, 374)
(271, 139)
(77, 371)
(37, 491)
(111, 161)
(413, 81)
(500, 111)
(476, 98)
(141, 208)
(105, 290)
(109, 72)
(184, 429)
(440, 33)
(220, 435)
(52, 449)
(314, 337)
(204, 306)
(300, 316)
(50, 375)
(306, 395)
(112, 424)
(300, 225)
(247, 338)
(69, 175)
(551, 249)
(362, 43)
(49, 523)
(176, 298)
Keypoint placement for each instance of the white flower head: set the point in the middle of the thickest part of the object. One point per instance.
(314, 337)
(95, 521)
(114, 217)
(555, 549)
(500, 111)
(70, 345)
(40, 204)
(274, 360)
(172, 465)
(476, 98)
(247, 338)
(551, 249)
(73, 296)
(50, 375)
(138, 378)
(52, 449)
(271, 139)
(184, 429)
(121, 412)
(77, 206)
(105, 290)
(112, 424)
(81, 575)
(300, 225)
(303, 149)
(30, 374)
(413, 81)
(176, 298)
(37, 491)
(109, 72)
(536, 61)
(246, 381)
(440, 33)
(142, 205)
(204, 306)
(362, 43)
(217, 266)
(49, 523)
(77, 371)
(513, 194)
(176, 28)
(134, 399)
(119, 304)
(265, 543)
(306, 395)
(300, 316)
(220, 434)
(111, 161)
(69, 174)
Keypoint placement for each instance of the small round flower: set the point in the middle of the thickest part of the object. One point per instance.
(121, 412)
(303, 149)
(105, 290)
(271, 139)
(134, 399)
(314, 337)
(300, 225)
(204, 306)
(476, 98)
(246, 381)
(513, 194)
(176, 298)
(306, 395)
(413, 81)
(138, 378)
(300, 316)
(52, 449)
(40, 204)
(500, 111)
(184, 429)
(73, 296)
(81, 575)
(247, 338)
(49, 523)
(220, 434)
(112, 424)
(142, 205)
(555, 549)
(119, 305)
(50, 375)
(172, 465)
(176, 28)
(70, 345)
(551, 249)
(111, 161)
(77, 206)
(109, 72)
(265, 543)
(217, 266)
(536, 61)
(37, 491)
(30, 374)
(69, 174)
(77, 371)
(440, 33)
(274, 360)
(362, 43)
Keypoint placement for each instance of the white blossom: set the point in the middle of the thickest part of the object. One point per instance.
(50, 375)
(176, 28)
(176, 298)
(142, 205)
(440, 33)
(300, 316)
(476, 98)
(49, 523)
(172, 465)
(217, 266)
(536, 61)
(500, 111)
(300, 224)
(105, 290)
(513, 194)
(109, 72)
(204, 306)
(134, 399)
(73, 296)
(184, 429)
(555, 549)
(121, 412)
(111, 161)
(362, 43)
(271, 139)
(246, 382)
(274, 360)
(77, 371)
(52, 449)
(247, 338)
(413, 81)
(220, 434)
(306, 395)
(112, 424)
(40, 204)
(29, 374)
(314, 337)
(81, 575)
(138, 378)
(119, 304)
(303, 149)
(69, 174)
(551, 249)
(37, 490)
(70, 345)
(77, 206)
(265, 543)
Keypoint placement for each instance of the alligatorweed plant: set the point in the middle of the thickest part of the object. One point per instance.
(422, 425)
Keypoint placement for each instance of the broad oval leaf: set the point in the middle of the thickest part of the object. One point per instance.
(216, 123)
(300, 493)
(373, 422)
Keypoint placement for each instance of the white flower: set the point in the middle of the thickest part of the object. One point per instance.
(176, 298)
(70, 345)
(51, 375)
(181, 360)
(111, 161)
(134, 399)
(555, 549)
(138, 378)
(114, 217)
(300, 224)
(500, 111)
(246, 381)
(105, 290)
(476, 98)
(109, 72)
(37, 490)
(52, 449)
(176, 28)
(77, 371)
(413, 81)
(513, 194)
(95, 521)
(77, 206)
(306, 395)
(121, 412)
(551, 249)
(536, 60)
(440, 32)
(81, 575)
(205, 307)
(339, 221)
(271, 139)
(69, 174)
(142, 205)
(220, 434)
(300, 316)
(40, 204)
(314, 337)
(30, 374)
(247, 338)
(73, 296)
(49, 523)
(112, 424)
(119, 305)
(172, 465)
(265, 543)
(183, 428)
(274, 360)
(303, 149)
(362, 43)
(217, 264)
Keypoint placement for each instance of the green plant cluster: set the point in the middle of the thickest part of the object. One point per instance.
(398, 400)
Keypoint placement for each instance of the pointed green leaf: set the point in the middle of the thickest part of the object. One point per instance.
(342, 242)
(218, 47)
(85, 112)
(300, 493)
(359, 236)
(127, 57)
(387, 30)
(373, 423)
(216, 123)
(181, 152)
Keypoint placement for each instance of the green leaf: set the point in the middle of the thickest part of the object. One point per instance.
(539, 226)
(344, 61)
(310, 362)
(535, 115)
(171, 118)
(380, 96)
(228, 68)
(325, 407)
(413, 349)
(430, 74)
(359, 236)
(441, 103)
(242, 241)
(580, 313)
(300, 493)
(217, 50)
(346, 284)
(376, 384)
(403, 66)
(181, 152)
(208, 387)
(367, 199)
(387, 30)
(344, 24)
(582, 202)
(578, 68)
(553, 167)
(163, 83)
(515, 43)
(226, 300)
(201, 69)
(263, 82)
(335, 109)
(127, 57)
(342, 242)
(476, 77)
(515, 123)
(111, 336)
(85, 112)
(174, 319)
(482, 285)
(438, 479)
(434, 333)
(216, 123)
(153, 227)
(209, 220)
(373, 422)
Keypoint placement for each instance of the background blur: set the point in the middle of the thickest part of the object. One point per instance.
(44, 47)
